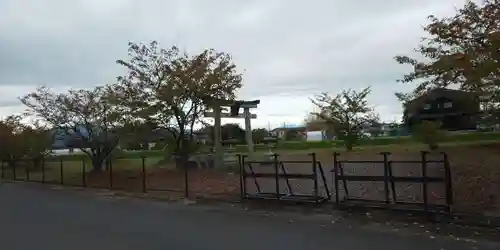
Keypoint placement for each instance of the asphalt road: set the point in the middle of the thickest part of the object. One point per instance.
(34, 217)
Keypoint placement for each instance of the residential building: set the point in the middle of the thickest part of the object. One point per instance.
(455, 109)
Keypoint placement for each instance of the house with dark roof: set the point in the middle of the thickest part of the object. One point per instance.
(455, 109)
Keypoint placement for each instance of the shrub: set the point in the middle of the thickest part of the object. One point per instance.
(429, 132)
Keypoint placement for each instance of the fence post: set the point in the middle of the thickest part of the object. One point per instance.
(14, 175)
(27, 169)
(386, 176)
(424, 181)
(186, 176)
(84, 179)
(335, 175)
(110, 169)
(143, 170)
(448, 182)
(277, 177)
(43, 170)
(391, 178)
(244, 174)
(61, 171)
(315, 173)
(240, 169)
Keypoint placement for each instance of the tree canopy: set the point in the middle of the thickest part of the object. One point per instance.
(168, 87)
(20, 141)
(462, 50)
(347, 112)
(86, 117)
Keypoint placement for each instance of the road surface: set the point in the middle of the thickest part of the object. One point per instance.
(36, 217)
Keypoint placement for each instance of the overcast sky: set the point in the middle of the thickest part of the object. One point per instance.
(288, 49)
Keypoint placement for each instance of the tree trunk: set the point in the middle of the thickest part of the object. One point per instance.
(349, 141)
(37, 163)
(349, 145)
(182, 157)
(12, 163)
(181, 160)
(179, 154)
(97, 163)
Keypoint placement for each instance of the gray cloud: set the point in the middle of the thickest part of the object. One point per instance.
(9, 103)
(287, 48)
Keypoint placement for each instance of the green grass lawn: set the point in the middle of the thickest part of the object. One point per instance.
(381, 141)
(407, 141)
(393, 148)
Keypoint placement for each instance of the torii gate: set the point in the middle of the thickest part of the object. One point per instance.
(216, 105)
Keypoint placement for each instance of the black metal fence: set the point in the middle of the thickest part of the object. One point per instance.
(275, 179)
(416, 183)
(52, 170)
(384, 182)
(128, 174)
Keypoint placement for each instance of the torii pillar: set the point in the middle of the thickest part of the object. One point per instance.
(217, 105)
